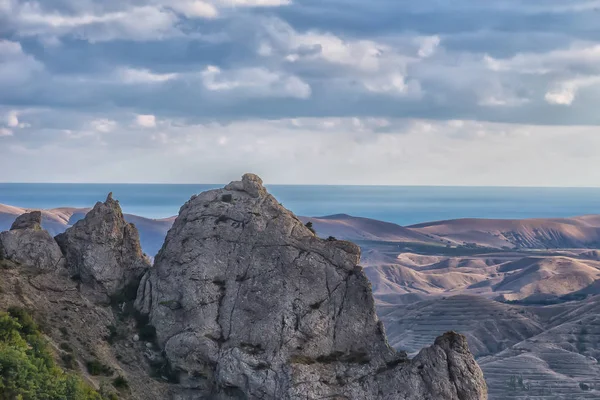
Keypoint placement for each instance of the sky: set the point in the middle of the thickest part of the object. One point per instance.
(386, 92)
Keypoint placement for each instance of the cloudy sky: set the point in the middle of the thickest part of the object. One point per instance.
(427, 92)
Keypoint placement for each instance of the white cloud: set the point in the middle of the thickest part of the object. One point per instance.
(565, 92)
(428, 45)
(132, 75)
(133, 23)
(12, 119)
(194, 8)
(549, 62)
(494, 101)
(105, 21)
(351, 150)
(563, 96)
(5, 132)
(363, 54)
(377, 67)
(146, 121)
(16, 67)
(103, 125)
(255, 82)
(392, 84)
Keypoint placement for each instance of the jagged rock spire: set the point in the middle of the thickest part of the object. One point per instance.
(248, 303)
(103, 250)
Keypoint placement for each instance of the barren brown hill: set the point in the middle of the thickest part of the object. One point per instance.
(577, 232)
(559, 363)
(347, 227)
(490, 326)
(548, 276)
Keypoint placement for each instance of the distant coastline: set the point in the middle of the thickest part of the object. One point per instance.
(403, 205)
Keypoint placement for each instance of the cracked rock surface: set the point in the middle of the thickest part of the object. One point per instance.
(249, 304)
(28, 244)
(103, 251)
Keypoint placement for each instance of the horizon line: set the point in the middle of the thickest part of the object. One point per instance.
(304, 185)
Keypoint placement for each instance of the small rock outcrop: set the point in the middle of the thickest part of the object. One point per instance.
(28, 244)
(249, 304)
(103, 250)
(31, 220)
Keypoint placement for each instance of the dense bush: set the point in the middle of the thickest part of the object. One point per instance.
(120, 383)
(95, 367)
(27, 369)
(310, 227)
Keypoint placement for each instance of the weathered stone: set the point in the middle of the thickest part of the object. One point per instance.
(103, 251)
(267, 310)
(29, 245)
(31, 220)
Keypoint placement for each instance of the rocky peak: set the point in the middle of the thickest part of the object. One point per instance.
(27, 244)
(248, 303)
(104, 251)
(32, 220)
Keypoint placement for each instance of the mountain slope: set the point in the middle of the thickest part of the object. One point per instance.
(577, 232)
(559, 363)
(555, 276)
(347, 227)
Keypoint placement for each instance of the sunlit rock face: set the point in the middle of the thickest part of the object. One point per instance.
(27, 244)
(103, 251)
(248, 303)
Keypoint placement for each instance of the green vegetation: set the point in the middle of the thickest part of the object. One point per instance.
(113, 335)
(27, 368)
(120, 383)
(309, 225)
(95, 367)
(66, 347)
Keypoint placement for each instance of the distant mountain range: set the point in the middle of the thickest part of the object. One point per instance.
(552, 233)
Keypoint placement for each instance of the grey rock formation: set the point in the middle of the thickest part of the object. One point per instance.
(249, 304)
(27, 244)
(104, 251)
(32, 220)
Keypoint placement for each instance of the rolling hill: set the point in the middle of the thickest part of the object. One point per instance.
(551, 233)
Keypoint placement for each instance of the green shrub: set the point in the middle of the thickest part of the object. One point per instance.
(64, 331)
(27, 368)
(309, 225)
(95, 367)
(28, 325)
(114, 334)
(69, 361)
(120, 383)
(66, 347)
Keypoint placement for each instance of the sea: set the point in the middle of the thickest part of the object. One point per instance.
(404, 205)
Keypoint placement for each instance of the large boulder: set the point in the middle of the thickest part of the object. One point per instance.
(28, 244)
(103, 251)
(249, 304)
